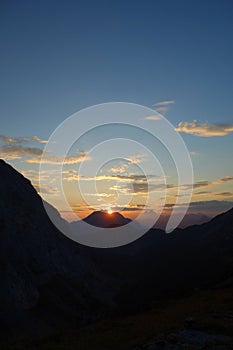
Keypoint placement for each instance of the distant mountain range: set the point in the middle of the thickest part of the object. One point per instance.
(189, 220)
(47, 280)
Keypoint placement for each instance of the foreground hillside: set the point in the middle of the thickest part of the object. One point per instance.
(201, 321)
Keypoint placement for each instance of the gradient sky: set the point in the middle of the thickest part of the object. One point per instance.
(58, 57)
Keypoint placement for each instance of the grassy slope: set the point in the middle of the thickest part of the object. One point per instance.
(212, 310)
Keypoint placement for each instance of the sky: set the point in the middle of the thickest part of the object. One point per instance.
(175, 57)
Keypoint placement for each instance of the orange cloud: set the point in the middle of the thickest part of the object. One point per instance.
(204, 130)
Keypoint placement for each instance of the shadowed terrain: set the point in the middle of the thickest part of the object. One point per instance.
(49, 283)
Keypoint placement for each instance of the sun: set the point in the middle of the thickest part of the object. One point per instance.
(109, 211)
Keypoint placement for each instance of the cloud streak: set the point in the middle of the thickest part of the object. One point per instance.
(14, 148)
(20, 140)
(205, 129)
(123, 178)
(153, 117)
(56, 160)
(14, 151)
(161, 107)
(164, 103)
(225, 194)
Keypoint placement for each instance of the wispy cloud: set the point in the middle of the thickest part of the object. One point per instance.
(136, 188)
(194, 153)
(199, 184)
(137, 207)
(153, 117)
(205, 129)
(105, 177)
(46, 190)
(164, 103)
(225, 179)
(201, 193)
(136, 158)
(225, 194)
(38, 139)
(14, 151)
(58, 159)
(20, 140)
(14, 147)
(162, 107)
(119, 169)
(100, 194)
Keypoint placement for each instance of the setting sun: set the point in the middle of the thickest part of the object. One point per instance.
(110, 211)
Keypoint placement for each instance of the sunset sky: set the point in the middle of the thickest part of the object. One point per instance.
(175, 57)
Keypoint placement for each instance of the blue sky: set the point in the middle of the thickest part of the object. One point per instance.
(58, 57)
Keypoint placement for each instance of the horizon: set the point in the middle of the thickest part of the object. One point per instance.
(159, 224)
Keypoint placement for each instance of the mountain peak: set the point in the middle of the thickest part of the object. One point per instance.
(104, 219)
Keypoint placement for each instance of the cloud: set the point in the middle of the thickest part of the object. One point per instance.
(136, 159)
(58, 159)
(100, 194)
(194, 153)
(204, 130)
(202, 193)
(106, 177)
(225, 179)
(153, 117)
(14, 148)
(137, 207)
(162, 108)
(45, 190)
(205, 183)
(120, 169)
(14, 151)
(164, 103)
(225, 194)
(197, 184)
(38, 139)
(136, 188)
(123, 166)
(211, 207)
(20, 140)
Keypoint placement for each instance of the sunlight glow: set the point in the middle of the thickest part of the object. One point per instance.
(110, 211)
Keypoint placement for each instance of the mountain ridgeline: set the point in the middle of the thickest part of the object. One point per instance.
(47, 280)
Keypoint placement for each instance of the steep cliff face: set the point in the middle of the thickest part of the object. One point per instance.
(40, 269)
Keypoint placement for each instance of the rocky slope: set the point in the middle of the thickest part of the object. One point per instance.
(44, 276)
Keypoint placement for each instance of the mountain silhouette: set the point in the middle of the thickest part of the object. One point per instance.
(103, 219)
(47, 280)
(40, 268)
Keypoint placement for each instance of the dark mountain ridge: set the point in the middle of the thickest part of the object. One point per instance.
(44, 277)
